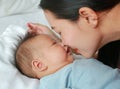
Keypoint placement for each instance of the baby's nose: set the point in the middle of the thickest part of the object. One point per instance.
(65, 47)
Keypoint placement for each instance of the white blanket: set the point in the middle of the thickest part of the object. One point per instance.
(10, 77)
(16, 12)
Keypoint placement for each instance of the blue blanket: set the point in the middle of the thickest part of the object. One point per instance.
(83, 74)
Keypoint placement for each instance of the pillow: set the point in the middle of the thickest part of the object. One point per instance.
(10, 77)
(8, 7)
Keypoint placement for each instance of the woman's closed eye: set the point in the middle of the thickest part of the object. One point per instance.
(59, 33)
(52, 27)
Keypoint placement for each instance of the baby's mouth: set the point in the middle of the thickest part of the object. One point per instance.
(69, 51)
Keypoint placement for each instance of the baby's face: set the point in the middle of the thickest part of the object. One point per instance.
(54, 53)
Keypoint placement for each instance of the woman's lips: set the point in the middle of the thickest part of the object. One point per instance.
(76, 51)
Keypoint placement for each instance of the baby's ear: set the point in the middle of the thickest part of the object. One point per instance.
(37, 65)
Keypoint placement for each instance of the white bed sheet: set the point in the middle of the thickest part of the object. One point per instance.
(10, 78)
(23, 19)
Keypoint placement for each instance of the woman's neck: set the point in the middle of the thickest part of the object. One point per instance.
(110, 25)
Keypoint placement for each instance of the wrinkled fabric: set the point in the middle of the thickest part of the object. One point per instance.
(83, 74)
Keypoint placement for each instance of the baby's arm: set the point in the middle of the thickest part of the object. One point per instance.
(35, 28)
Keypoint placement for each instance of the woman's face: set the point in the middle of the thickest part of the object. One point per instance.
(78, 35)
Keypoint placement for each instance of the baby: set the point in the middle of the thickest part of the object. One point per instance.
(41, 55)
(44, 58)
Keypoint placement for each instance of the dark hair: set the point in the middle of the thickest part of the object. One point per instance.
(68, 9)
(110, 54)
(21, 57)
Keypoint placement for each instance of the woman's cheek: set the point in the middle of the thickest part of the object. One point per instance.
(67, 41)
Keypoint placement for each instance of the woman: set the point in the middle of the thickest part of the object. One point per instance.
(87, 26)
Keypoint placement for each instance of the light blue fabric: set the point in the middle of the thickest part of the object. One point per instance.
(83, 74)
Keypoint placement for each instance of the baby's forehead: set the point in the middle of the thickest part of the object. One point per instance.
(38, 40)
(43, 36)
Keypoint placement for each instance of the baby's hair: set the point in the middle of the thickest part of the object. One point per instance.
(24, 57)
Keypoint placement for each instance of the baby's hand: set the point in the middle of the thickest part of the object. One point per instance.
(35, 28)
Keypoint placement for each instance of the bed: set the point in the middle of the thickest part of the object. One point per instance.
(14, 15)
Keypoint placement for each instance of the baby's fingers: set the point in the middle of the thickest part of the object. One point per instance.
(34, 31)
(38, 28)
(31, 25)
(31, 32)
